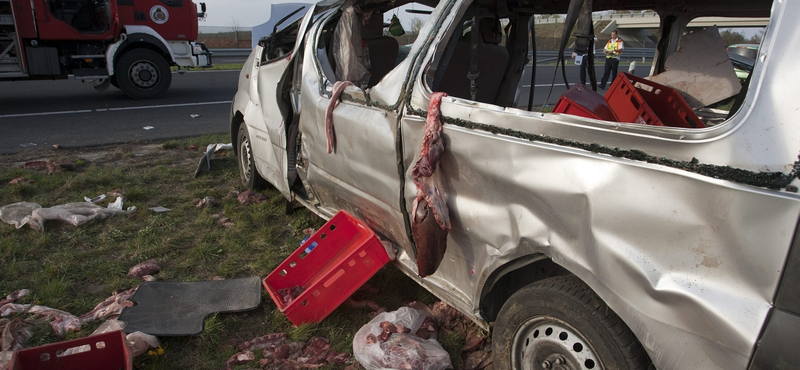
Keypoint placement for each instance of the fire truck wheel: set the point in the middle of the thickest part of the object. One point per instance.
(114, 81)
(143, 74)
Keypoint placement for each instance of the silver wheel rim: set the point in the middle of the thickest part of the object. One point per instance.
(143, 74)
(244, 158)
(548, 343)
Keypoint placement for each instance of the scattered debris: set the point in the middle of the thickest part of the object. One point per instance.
(56, 146)
(111, 307)
(277, 351)
(50, 166)
(139, 343)
(148, 128)
(205, 161)
(249, 197)
(159, 209)
(117, 204)
(16, 180)
(222, 219)
(96, 199)
(61, 322)
(207, 201)
(116, 193)
(387, 342)
(21, 213)
(192, 147)
(149, 278)
(310, 231)
(27, 145)
(194, 115)
(145, 268)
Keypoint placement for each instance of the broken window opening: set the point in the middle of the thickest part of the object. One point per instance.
(701, 83)
(362, 43)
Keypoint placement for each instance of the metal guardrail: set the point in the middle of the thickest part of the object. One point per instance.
(234, 53)
(542, 56)
(628, 55)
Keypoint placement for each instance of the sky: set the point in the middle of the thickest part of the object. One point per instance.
(249, 13)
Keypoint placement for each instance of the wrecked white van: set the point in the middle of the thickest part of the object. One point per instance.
(581, 243)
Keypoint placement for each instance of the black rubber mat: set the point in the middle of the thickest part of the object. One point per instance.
(175, 309)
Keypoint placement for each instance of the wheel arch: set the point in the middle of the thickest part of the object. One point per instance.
(237, 119)
(513, 276)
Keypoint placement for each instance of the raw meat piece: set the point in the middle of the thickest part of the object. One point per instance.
(478, 360)
(289, 294)
(267, 341)
(315, 352)
(403, 352)
(365, 303)
(431, 152)
(248, 197)
(145, 268)
(17, 294)
(427, 329)
(61, 322)
(430, 233)
(111, 307)
(371, 338)
(338, 88)
(473, 341)
(238, 359)
(337, 358)
(429, 237)
(14, 334)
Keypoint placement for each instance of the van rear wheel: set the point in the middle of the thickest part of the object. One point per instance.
(247, 164)
(559, 323)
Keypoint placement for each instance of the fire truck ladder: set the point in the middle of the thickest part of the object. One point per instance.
(10, 56)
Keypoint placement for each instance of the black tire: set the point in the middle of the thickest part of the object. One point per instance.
(114, 81)
(143, 74)
(560, 323)
(247, 164)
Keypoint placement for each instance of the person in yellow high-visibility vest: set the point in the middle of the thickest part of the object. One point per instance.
(612, 50)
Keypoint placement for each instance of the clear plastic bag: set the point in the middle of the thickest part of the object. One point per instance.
(76, 214)
(348, 51)
(402, 350)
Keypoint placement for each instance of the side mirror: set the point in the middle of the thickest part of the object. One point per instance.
(202, 13)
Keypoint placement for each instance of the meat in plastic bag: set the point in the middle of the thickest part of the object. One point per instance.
(389, 341)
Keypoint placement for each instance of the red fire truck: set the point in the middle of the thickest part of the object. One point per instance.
(130, 44)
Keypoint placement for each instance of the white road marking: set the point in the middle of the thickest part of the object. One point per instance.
(113, 109)
(45, 113)
(170, 105)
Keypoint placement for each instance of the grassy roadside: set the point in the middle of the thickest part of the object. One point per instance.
(74, 268)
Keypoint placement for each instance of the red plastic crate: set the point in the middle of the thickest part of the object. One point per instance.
(107, 351)
(332, 264)
(636, 100)
(582, 101)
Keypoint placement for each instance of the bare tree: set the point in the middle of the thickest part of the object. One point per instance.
(235, 28)
(416, 25)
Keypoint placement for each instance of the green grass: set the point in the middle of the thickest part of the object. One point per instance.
(74, 268)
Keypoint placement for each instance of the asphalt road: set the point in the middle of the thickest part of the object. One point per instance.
(39, 114)
(72, 114)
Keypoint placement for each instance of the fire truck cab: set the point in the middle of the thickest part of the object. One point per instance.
(130, 44)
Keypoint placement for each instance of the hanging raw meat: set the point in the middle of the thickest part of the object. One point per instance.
(430, 216)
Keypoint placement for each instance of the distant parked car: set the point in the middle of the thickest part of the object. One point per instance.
(743, 57)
